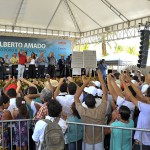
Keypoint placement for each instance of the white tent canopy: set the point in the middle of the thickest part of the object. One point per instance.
(71, 15)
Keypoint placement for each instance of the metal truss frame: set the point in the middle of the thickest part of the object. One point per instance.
(54, 14)
(114, 32)
(110, 33)
(18, 13)
(115, 11)
(38, 31)
(72, 16)
(110, 36)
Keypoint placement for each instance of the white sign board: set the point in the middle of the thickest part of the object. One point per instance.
(77, 60)
(76, 71)
(89, 59)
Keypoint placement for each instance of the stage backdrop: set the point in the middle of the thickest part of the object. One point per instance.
(10, 45)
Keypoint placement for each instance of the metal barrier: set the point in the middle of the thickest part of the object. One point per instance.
(7, 133)
(11, 125)
(102, 128)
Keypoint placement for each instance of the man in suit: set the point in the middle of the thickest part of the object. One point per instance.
(61, 64)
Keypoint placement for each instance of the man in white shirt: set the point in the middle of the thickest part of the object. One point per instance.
(54, 111)
(67, 100)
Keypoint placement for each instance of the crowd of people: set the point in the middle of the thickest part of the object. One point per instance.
(117, 99)
(22, 61)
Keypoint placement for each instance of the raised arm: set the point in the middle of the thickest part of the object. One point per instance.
(104, 88)
(18, 87)
(136, 89)
(19, 53)
(80, 90)
(49, 86)
(110, 87)
(132, 98)
(56, 93)
(28, 98)
(28, 82)
(117, 89)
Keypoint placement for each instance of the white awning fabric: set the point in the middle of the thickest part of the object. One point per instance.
(71, 15)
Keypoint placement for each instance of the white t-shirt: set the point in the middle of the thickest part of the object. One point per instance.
(32, 62)
(143, 123)
(66, 102)
(144, 88)
(12, 105)
(122, 102)
(38, 134)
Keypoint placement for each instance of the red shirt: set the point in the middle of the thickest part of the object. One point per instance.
(22, 59)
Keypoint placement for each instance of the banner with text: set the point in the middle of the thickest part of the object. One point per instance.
(10, 45)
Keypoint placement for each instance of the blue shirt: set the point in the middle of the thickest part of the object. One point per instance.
(103, 69)
(75, 131)
(119, 137)
(43, 62)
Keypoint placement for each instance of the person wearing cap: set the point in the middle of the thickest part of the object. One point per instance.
(92, 115)
(22, 63)
(93, 91)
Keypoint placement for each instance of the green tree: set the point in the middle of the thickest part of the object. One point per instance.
(132, 50)
(118, 48)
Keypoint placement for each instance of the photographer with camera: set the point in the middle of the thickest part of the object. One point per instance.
(103, 68)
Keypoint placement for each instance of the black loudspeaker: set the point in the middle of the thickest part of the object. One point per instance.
(144, 46)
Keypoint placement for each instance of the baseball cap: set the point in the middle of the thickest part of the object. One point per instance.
(97, 83)
(99, 92)
(91, 90)
(54, 83)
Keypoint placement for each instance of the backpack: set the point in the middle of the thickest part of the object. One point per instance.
(53, 136)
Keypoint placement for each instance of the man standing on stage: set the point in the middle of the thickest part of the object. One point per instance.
(51, 65)
(14, 62)
(7, 60)
(22, 63)
(61, 64)
(14, 59)
(41, 65)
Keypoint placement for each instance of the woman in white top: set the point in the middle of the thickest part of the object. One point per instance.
(31, 61)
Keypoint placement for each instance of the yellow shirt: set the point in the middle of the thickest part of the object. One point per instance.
(14, 61)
